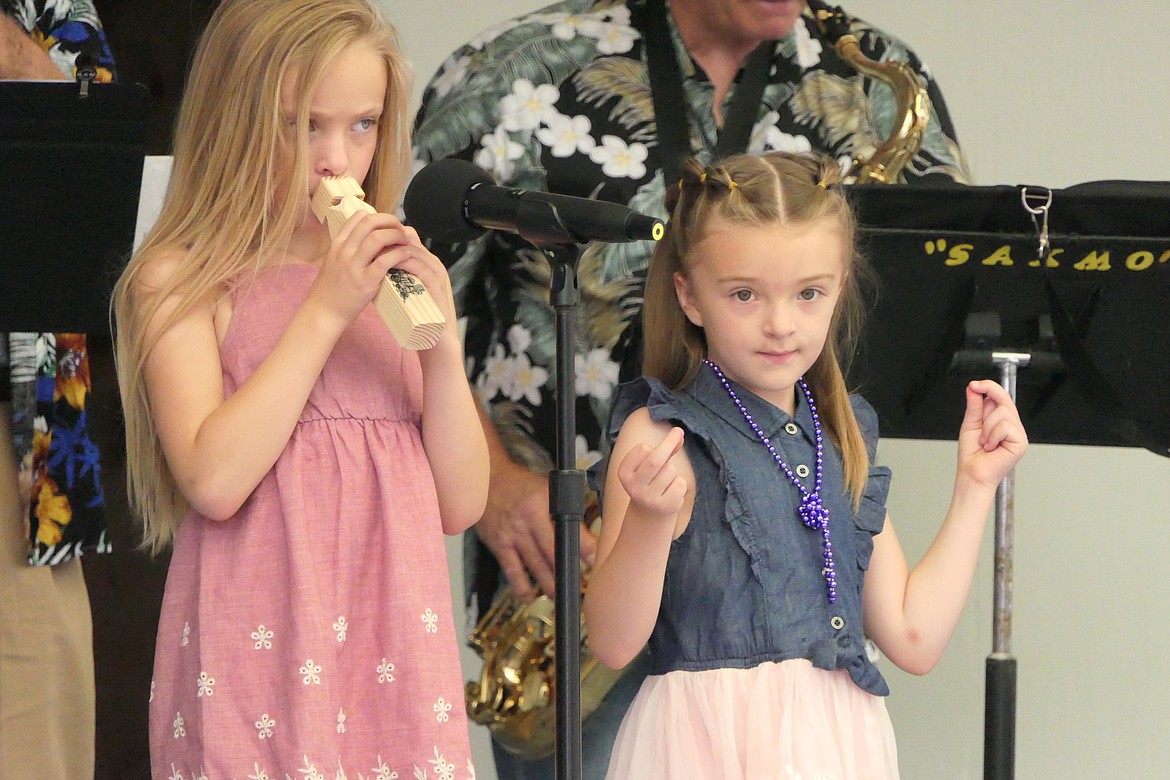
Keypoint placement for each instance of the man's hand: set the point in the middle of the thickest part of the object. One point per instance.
(517, 528)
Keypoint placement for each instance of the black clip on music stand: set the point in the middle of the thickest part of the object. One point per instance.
(539, 224)
(964, 292)
(71, 160)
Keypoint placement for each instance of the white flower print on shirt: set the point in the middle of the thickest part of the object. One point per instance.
(264, 727)
(257, 772)
(340, 627)
(186, 635)
(767, 137)
(442, 709)
(619, 159)
(341, 721)
(528, 380)
(596, 374)
(262, 637)
(496, 153)
(519, 339)
(310, 672)
(179, 724)
(201, 776)
(385, 672)
(205, 684)
(175, 774)
(527, 106)
(611, 38)
(430, 621)
(567, 135)
(450, 74)
(499, 375)
(808, 48)
(585, 457)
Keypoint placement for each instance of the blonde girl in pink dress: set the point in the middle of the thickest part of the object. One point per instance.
(303, 466)
(743, 513)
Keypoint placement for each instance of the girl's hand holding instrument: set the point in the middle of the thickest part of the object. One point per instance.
(402, 301)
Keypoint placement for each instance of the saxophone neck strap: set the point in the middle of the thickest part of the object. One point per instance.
(670, 106)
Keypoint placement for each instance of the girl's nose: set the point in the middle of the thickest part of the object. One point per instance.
(331, 157)
(779, 321)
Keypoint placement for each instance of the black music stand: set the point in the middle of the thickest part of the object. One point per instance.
(70, 173)
(1061, 293)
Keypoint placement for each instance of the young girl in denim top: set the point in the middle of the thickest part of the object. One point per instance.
(745, 534)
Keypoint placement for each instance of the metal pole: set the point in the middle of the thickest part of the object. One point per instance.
(999, 715)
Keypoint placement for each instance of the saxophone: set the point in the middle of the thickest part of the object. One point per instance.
(513, 694)
(885, 164)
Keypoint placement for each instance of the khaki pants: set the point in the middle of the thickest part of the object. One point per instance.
(46, 652)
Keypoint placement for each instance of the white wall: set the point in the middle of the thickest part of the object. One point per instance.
(1051, 93)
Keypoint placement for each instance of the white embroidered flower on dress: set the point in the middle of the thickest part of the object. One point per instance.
(263, 638)
(341, 721)
(619, 159)
(385, 672)
(430, 621)
(264, 727)
(178, 724)
(186, 635)
(257, 772)
(310, 672)
(175, 774)
(340, 627)
(442, 709)
(383, 772)
(201, 776)
(205, 684)
(309, 771)
(444, 769)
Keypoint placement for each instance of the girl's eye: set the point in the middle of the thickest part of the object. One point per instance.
(810, 294)
(366, 124)
(743, 295)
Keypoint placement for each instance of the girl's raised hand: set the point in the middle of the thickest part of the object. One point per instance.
(651, 479)
(992, 438)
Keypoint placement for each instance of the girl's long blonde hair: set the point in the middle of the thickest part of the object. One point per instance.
(221, 213)
(772, 189)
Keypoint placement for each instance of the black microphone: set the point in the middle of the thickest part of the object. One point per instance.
(453, 200)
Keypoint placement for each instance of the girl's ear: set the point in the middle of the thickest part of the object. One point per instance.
(686, 301)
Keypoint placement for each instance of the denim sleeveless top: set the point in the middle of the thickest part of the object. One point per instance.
(743, 582)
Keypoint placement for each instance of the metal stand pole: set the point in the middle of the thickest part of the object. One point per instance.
(999, 715)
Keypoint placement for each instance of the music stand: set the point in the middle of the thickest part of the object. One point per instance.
(70, 172)
(1058, 292)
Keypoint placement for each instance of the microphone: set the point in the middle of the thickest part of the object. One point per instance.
(451, 200)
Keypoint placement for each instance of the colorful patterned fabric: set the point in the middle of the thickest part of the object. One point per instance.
(48, 373)
(559, 100)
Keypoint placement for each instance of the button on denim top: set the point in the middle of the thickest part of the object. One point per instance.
(743, 582)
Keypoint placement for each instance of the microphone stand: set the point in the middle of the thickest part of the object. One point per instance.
(540, 224)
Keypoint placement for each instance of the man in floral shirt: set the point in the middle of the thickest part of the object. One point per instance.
(50, 494)
(560, 100)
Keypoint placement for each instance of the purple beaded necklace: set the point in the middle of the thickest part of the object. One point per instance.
(813, 513)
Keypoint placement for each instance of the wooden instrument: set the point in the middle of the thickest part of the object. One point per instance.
(403, 303)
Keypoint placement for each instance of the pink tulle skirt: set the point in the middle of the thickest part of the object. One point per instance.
(785, 721)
